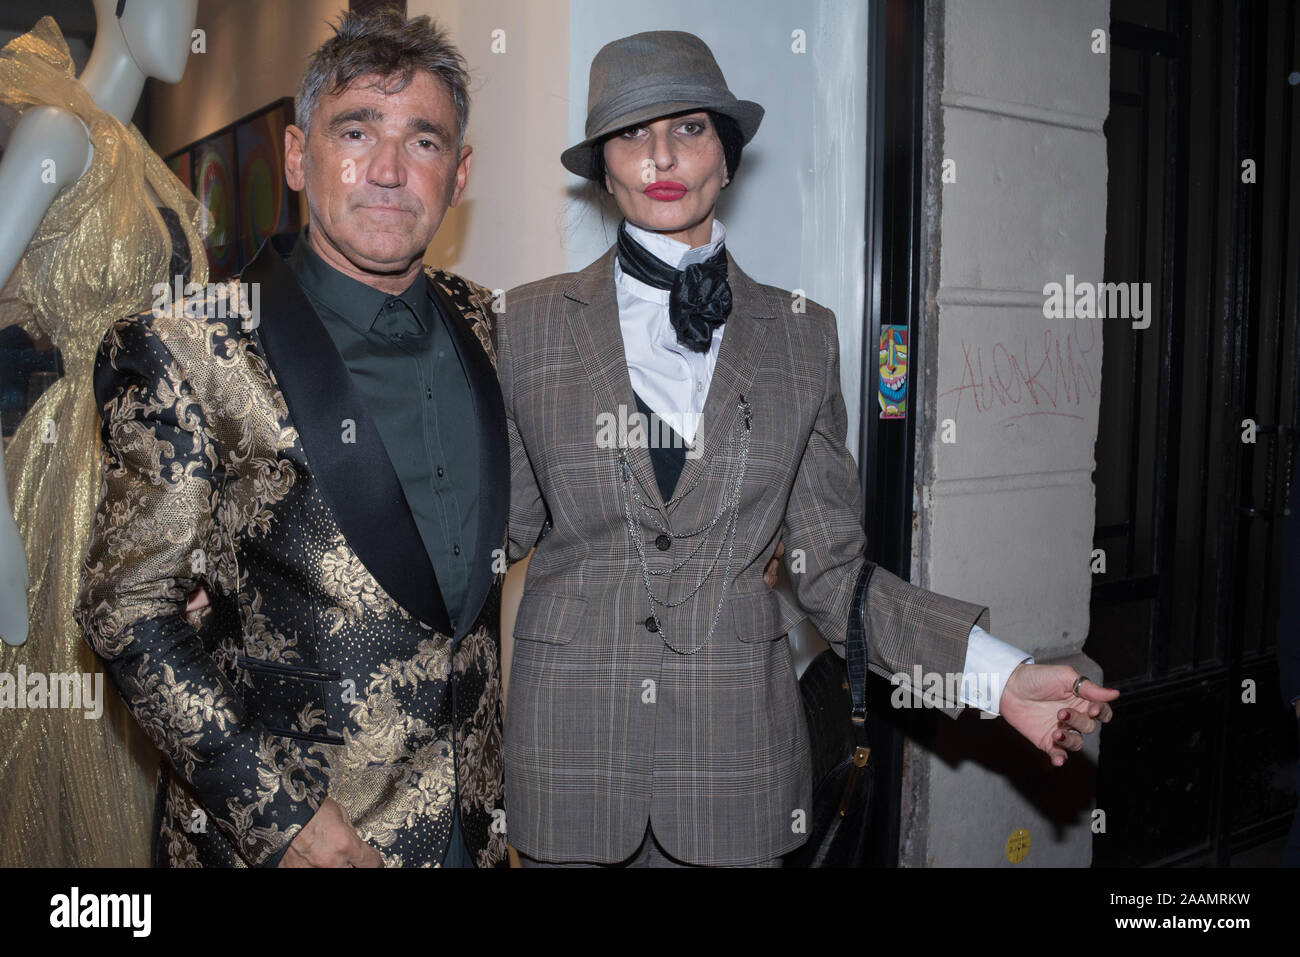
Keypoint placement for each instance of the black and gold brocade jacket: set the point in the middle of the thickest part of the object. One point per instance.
(239, 457)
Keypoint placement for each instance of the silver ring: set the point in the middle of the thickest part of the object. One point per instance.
(1078, 681)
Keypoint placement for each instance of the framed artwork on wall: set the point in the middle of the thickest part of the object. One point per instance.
(237, 173)
(214, 160)
(265, 201)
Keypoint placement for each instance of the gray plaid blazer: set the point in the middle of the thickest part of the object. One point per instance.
(606, 726)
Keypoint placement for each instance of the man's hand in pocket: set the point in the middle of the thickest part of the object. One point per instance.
(329, 840)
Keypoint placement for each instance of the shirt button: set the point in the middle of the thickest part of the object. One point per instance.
(663, 543)
(650, 624)
(441, 472)
(699, 387)
(455, 549)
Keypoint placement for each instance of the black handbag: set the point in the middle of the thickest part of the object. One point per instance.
(834, 693)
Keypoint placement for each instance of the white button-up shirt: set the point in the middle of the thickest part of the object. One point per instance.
(671, 379)
(674, 382)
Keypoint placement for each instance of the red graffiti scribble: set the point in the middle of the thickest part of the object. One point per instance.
(1056, 374)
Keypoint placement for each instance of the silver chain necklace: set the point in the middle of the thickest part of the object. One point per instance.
(728, 540)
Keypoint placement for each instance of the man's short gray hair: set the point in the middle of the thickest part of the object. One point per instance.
(386, 44)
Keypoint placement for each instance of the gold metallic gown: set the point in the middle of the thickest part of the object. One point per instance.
(73, 791)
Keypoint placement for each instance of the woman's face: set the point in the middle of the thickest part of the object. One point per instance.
(665, 175)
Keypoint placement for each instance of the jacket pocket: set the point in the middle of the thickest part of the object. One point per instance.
(756, 616)
(549, 618)
(283, 697)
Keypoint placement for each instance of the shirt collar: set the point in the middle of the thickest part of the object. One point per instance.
(359, 305)
(678, 254)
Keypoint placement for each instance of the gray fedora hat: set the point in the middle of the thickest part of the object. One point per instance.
(649, 75)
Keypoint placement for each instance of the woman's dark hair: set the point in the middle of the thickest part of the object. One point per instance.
(729, 134)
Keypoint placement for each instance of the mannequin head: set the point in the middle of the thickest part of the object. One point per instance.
(157, 33)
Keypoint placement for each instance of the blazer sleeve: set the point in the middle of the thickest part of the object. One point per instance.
(905, 625)
(156, 515)
(527, 508)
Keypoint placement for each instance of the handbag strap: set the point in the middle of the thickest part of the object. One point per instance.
(855, 645)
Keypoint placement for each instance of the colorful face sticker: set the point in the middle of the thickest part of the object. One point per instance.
(893, 372)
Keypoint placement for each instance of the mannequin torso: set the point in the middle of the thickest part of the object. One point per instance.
(50, 150)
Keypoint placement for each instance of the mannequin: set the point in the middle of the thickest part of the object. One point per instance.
(92, 220)
(151, 38)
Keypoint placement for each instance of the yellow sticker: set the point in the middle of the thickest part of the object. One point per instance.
(1017, 845)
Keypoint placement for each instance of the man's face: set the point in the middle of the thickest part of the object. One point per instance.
(380, 171)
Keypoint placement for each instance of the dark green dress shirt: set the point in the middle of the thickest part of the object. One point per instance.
(404, 364)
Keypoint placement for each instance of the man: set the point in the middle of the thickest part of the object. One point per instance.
(332, 472)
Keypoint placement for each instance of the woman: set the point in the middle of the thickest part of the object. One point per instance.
(654, 717)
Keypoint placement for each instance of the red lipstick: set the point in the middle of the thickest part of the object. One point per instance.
(665, 191)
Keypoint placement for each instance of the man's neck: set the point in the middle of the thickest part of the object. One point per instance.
(394, 284)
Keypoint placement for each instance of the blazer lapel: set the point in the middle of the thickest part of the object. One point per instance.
(743, 341)
(593, 320)
(493, 459)
(356, 478)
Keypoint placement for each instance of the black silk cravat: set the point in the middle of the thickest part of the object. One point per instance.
(699, 299)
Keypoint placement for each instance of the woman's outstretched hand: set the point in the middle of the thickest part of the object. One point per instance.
(1040, 701)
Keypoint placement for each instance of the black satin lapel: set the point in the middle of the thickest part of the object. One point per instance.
(357, 479)
(493, 457)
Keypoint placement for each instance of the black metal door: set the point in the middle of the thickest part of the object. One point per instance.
(1197, 424)
(896, 263)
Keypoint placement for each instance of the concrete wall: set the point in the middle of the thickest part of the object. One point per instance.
(1006, 510)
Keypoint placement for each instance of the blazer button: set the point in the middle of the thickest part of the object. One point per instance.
(663, 543)
(650, 624)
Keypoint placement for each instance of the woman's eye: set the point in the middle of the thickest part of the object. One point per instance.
(632, 134)
(693, 127)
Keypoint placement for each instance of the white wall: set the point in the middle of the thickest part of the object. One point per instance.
(795, 214)
(508, 230)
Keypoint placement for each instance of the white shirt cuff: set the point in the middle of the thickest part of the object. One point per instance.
(989, 663)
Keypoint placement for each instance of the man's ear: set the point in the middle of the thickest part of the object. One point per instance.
(295, 153)
(462, 176)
